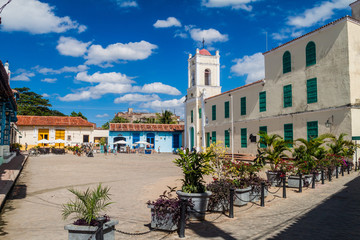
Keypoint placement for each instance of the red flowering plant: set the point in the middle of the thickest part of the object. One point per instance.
(283, 166)
(242, 172)
(167, 207)
(305, 165)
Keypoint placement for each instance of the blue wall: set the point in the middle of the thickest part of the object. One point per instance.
(162, 139)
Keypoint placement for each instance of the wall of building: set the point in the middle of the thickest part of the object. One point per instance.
(164, 140)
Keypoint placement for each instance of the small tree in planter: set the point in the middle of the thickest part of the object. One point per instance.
(165, 211)
(220, 198)
(194, 166)
(273, 152)
(87, 207)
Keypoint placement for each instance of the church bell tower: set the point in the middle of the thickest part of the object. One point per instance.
(203, 82)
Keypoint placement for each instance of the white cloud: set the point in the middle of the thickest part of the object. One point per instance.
(47, 71)
(102, 115)
(69, 46)
(210, 35)
(45, 95)
(169, 22)
(252, 66)
(98, 77)
(23, 75)
(36, 17)
(181, 35)
(158, 87)
(286, 33)
(319, 13)
(174, 104)
(98, 55)
(235, 4)
(49, 80)
(136, 98)
(126, 3)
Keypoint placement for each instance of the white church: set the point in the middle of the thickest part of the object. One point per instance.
(311, 87)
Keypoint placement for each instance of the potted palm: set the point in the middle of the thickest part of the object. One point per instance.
(194, 166)
(272, 153)
(87, 208)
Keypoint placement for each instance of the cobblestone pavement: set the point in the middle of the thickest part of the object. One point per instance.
(34, 212)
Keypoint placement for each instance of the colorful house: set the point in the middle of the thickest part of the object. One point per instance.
(8, 110)
(163, 137)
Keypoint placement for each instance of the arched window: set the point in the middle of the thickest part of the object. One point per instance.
(310, 54)
(207, 77)
(286, 62)
(192, 79)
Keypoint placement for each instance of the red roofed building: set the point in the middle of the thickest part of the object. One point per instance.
(160, 137)
(73, 130)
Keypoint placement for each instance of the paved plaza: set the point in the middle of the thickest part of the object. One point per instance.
(330, 211)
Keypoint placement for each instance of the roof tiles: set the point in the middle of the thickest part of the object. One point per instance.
(53, 121)
(138, 127)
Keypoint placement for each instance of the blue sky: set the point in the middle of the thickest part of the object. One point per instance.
(103, 56)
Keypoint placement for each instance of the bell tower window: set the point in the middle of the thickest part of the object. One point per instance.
(192, 79)
(207, 77)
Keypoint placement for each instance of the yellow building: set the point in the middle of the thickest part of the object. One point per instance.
(311, 87)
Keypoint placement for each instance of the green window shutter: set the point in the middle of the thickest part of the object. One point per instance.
(207, 139)
(199, 112)
(262, 101)
(227, 138)
(311, 88)
(286, 62)
(310, 54)
(262, 129)
(227, 108)
(213, 108)
(192, 116)
(312, 130)
(243, 138)
(243, 106)
(192, 138)
(213, 137)
(287, 96)
(288, 133)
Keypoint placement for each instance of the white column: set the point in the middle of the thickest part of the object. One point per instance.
(232, 127)
(203, 118)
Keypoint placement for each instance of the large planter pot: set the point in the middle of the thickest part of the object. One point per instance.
(200, 201)
(242, 196)
(165, 223)
(339, 171)
(274, 178)
(255, 193)
(293, 181)
(222, 206)
(77, 232)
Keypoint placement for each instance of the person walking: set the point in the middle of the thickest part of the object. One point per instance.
(25, 146)
(105, 149)
(159, 149)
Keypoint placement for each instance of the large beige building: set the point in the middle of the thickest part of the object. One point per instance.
(311, 87)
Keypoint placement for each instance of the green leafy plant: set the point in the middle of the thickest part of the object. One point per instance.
(218, 163)
(194, 166)
(88, 204)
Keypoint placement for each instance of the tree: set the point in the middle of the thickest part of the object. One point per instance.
(116, 119)
(74, 114)
(166, 117)
(33, 104)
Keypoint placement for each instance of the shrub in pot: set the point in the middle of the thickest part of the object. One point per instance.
(194, 166)
(219, 200)
(255, 192)
(165, 211)
(87, 208)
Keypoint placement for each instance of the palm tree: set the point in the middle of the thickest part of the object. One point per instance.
(166, 117)
(312, 148)
(274, 150)
(339, 145)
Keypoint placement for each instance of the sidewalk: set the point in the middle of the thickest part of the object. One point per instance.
(9, 172)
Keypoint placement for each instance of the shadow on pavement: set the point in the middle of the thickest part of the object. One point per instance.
(338, 217)
(205, 229)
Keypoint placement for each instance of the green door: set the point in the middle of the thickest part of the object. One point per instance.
(191, 138)
(207, 139)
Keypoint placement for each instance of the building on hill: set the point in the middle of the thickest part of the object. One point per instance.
(168, 137)
(8, 114)
(73, 130)
(310, 88)
(138, 117)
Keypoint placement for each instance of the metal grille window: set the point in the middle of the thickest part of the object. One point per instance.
(227, 109)
(213, 112)
(286, 62)
(262, 101)
(262, 129)
(227, 138)
(287, 96)
(244, 138)
(310, 54)
(312, 130)
(213, 137)
(288, 133)
(311, 87)
(192, 116)
(243, 106)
